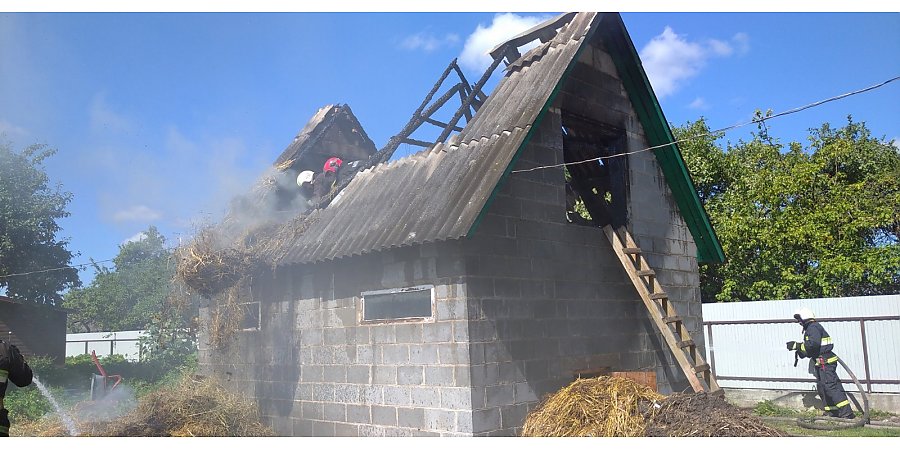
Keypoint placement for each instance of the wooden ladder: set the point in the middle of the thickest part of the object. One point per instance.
(662, 311)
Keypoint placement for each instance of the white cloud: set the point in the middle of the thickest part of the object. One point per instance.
(428, 42)
(896, 142)
(474, 55)
(670, 59)
(699, 103)
(104, 119)
(11, 129)
(136, 213)
(136, 238)
(742, 41)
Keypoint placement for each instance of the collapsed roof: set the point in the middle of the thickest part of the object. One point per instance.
(442, 192)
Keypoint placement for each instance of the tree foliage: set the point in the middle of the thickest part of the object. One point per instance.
(128, 297)
(795, 222)
(29, 211)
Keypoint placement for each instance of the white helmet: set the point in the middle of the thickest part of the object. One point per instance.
(305, 177)
(803, 314)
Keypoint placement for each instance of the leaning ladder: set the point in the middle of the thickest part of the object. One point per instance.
(662, 311)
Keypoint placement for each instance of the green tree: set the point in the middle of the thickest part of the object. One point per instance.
(128, 297)
(823, 221)
(29, 211)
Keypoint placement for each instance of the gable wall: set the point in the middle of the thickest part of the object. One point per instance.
(653, 216)
(547, 298)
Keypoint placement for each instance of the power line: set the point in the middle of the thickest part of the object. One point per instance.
(760, 120)
(53, 269)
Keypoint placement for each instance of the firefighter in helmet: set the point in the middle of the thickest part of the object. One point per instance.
(817, 346)
(12, 368)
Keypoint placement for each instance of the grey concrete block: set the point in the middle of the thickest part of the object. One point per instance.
(410, 375)
(462, 376)
(359, 374)
(335, 412)
(437, 332)
(359, 413)
(453, 353)
(440, 420)
(460, 331)
(423, 354)
(456, 398)
(324, 429)
(409, 333)
(512, 371)
(485, 420)
(348, 393)
(302, 427)
(312, 410)
(464, 421)
(346, 430)
(323, 392)
(524, 393)
(501, 395)
(383, 334)
(397, 354)
(384, 375)
(411, 417)
(371, 431)
(335, 336)
(365, 354)
(313, 373)
(397, 395)
(384, 415)
(439, 375)
(335, 373)
(425, 397)
(372, 395)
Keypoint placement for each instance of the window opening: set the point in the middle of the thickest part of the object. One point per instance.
(407, 304)
(596, 193)
(250, 318)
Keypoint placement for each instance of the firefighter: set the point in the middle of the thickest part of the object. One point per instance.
(12, 368)
(817, 346)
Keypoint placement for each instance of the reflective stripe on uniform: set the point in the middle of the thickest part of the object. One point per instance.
(833, 359)
(3, 376)
(826, 340)
(838, 406)
(803, 348)
(4, 430)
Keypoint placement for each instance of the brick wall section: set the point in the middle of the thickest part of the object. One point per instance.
(316, 371)
(546, 298)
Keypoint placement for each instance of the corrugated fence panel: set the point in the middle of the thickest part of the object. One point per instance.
(757, 350)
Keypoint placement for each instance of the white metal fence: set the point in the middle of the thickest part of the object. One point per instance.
(125, 343)
(745, 342)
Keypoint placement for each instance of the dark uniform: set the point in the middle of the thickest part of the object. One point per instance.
(12, 368)
(817, 345)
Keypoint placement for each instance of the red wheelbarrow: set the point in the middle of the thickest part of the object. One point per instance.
(102, 385)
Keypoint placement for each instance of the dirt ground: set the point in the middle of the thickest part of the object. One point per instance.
(702, 415)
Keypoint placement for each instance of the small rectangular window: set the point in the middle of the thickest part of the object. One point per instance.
(250, 319)
(407, 304)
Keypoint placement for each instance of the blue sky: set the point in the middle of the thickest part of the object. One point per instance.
(159, 118)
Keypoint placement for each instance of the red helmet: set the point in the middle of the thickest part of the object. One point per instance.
(332, 164)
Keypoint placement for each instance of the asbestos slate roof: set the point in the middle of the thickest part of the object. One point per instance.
(438, 194)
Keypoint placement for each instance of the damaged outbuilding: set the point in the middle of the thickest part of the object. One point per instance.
(446, 292)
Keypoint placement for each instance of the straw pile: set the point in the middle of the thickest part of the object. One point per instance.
(702, 415)
(602, 406)
(193, 407)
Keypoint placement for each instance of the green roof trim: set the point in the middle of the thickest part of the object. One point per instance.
(656, 128)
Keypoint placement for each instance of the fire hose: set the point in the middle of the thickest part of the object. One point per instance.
(836, 422)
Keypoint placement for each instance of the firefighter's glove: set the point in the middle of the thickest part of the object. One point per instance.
(792, 345)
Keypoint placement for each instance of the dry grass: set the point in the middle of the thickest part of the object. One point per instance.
(193, 407)
(602, 406)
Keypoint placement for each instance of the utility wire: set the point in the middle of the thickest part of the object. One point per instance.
(760, 120)
(763, 119)
(54, 269)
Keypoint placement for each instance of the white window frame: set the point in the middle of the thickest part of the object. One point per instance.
(361, 313)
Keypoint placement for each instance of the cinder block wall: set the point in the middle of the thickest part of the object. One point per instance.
(653, 216)
(316, 371)
(546, 298)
